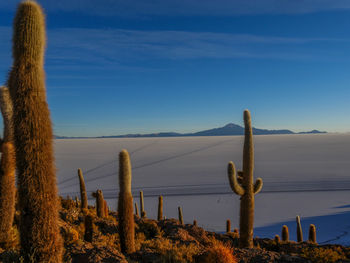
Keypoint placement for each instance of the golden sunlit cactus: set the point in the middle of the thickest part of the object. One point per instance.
(181, 218)
(160, 208)
(312, 234)
(7, 171)
(285, 234)
(299, 230)
(33, 136)
(244, 186)
(100, 204)
(136, 210)
(83, 195)
(125, 205)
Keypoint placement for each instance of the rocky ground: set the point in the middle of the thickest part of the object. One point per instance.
(169, 241)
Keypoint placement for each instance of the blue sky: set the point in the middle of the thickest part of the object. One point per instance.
(116, 67)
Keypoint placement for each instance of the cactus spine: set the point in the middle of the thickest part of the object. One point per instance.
(160, 208)
(142, 205)
(83, 195)
(285, 234)
(312, 234)
(125, 205)
(181, 218)
(7, 170)
(228, 226)
(244, 185)
(299, 230)
(100, 204)
(89, 228)
(38, 199)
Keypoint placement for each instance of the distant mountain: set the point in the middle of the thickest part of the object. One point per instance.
(227, 130)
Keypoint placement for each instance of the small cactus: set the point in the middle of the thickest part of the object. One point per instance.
(100, 204)
(285, 234)
(277, 239)
(160, 208)
(228, 226)
(312, 234)
(106, 212)
(244, 186)
(136, 210)
(89, 228)
(299, 230)
(181, 219)
(7, 170)
(125, 205)
(83, 195)
(195, 222)
(142, 205)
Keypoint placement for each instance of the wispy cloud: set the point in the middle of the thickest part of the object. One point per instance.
(76, 48)
(187, 7)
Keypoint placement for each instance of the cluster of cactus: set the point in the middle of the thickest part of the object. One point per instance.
(33, 141)
(28, 139)
(244, 186)
(312, 232)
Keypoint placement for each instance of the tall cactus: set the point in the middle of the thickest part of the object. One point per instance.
(160, 208)
(244, 185)
(7, 171)
(33, 136)
(181, 218)
(142, 206)
(125, 205)
(299, 230)
(83, 195)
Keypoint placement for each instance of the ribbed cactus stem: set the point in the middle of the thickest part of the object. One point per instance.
(100, 204)
(142, 205)
(244, 186)
(160, 208)
(228, 226)
(33, 136)
(83, 194)
(136, 210)
(285, 233)
(125, 205)
(181, 219)
(299, 230)
(89, 228)
(312, 234)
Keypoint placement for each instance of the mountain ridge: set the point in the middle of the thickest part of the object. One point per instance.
(230, 129)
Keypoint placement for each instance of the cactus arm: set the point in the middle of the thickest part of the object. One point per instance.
(258, 185)
(232, 177)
